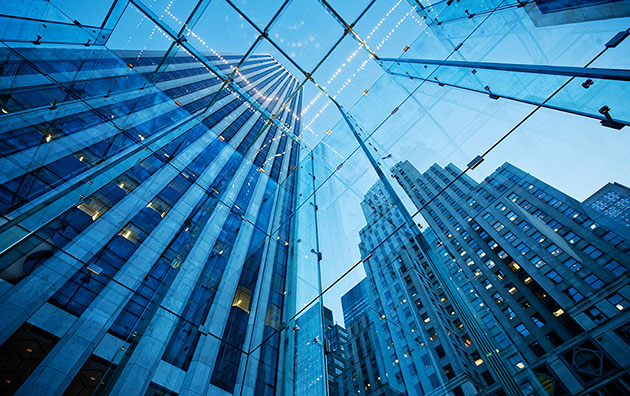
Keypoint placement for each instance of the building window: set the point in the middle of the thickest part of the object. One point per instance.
(612, 238)
(572, 264)
(524, 225)
(618, 301)
(572, 238)
(573, 294)
(522, 329)
(592, 251)
(540, 238)
(510, 237)
(555, 225)
(538, 320)
(596, 315)
(554, 276)
(554, 249)
(537, 261)
(537, 349)
(523, 248)
(594, 281)
(614, 267)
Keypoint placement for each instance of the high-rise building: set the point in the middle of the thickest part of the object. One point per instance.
(146, 227)
(555, 280)
(366, 369)
(335, 338)
(424, 337)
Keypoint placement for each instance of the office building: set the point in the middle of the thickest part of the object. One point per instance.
(610, 206)
(424, 337)
(555, 280)
(366, 369)
(145, 234)
(335, 338)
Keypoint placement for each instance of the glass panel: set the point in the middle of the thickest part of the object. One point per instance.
(227, 197)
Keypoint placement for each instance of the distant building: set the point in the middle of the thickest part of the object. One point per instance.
(610, 206)
(366, 371)
(554, 279)
(423, 338)
(335, 338)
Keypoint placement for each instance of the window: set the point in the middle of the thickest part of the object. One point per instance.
(572, 238)
(540, 238)
(573, 294)
(590, 224)
(537, 261)
(612, 238)
(498, 226)
(522, 329)
(594, 281)
(554, 276)
(592, 251)
(522, 248)
(511, 216)
(596, 315)
(537, 349)
(510, 237)
(555, 225)
(618, 301)
(538, 320)
(509, 313)
(614, 267)
(572, 264)
(524, 225)
(554, 249)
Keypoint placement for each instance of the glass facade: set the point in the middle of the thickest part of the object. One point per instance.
(309, 197)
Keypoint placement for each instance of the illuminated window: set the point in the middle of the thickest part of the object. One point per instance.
(242, 298)
(618, 301)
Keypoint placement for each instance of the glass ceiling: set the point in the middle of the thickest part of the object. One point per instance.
(415, 81)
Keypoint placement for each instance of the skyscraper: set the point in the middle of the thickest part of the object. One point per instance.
(189, 189)
(424, 337)
(367, 370)
(335, 339)
(146, 232)
(554, 279)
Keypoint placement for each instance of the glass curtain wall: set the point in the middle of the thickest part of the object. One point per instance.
(315, 197)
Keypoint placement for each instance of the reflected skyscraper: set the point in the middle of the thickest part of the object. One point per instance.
(146, 227)
(554, 279)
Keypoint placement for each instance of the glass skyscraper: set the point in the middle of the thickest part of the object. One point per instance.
(314, 197)
(146, 217)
